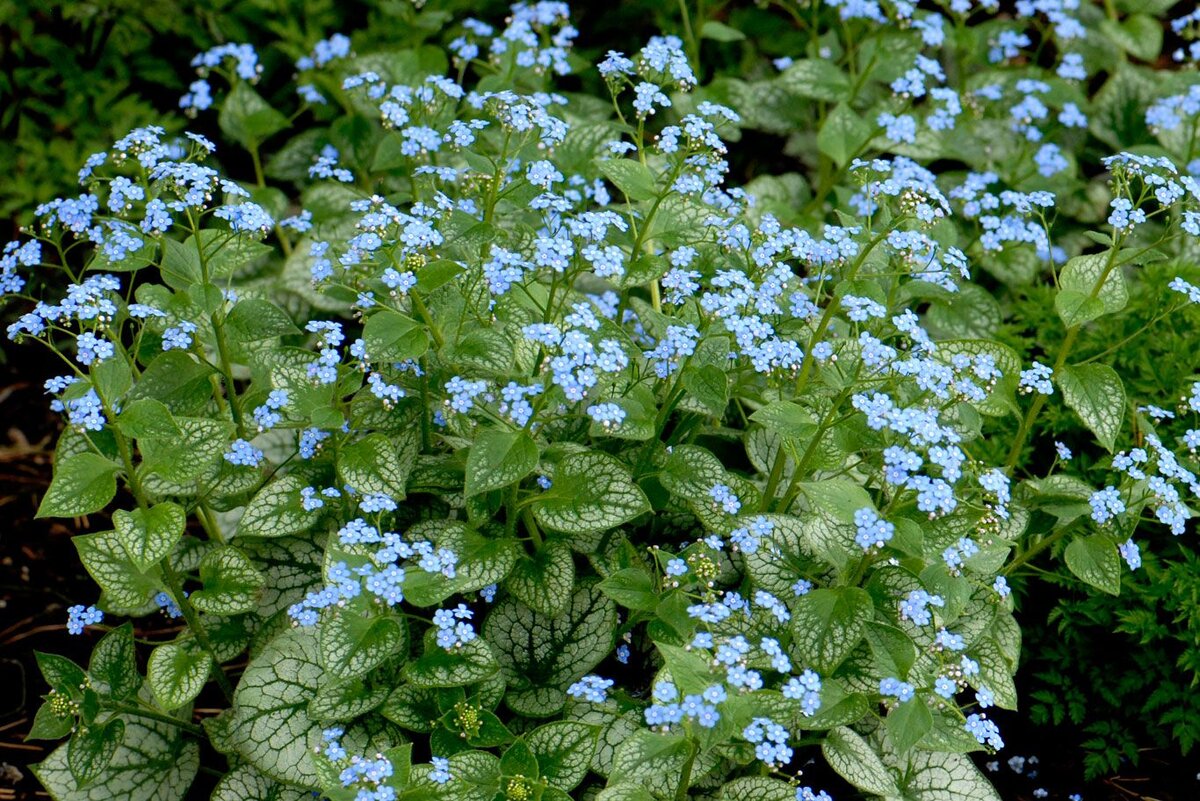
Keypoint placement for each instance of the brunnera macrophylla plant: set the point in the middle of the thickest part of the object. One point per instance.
(517, 455)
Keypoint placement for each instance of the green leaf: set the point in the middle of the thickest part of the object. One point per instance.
(392, 337)
(816, 78)
(112, 379)
(709, 385)
(844, 134)
(271, 728)
(564, 751)
(1139, 35)
(631, 177)
(113, 666)
(757, 788)
(838, 497)
(275, 511)
(487, 731)
(181, 267)
(152, 763)
(245, 783)
(82, 484)
(232, 584)
(176, 380)
(1081, 298)
(345, 700)
(995, 672)
(592, 492)
(437, 273)
(720, 32)
(908, 723)
(177, 672)
(374, 464)
(827, 624)
(48, 724)
(856, 761)
(353, 644)
(186, 457)
(632, 588)
(652, 760)
(125, 587)
(625, 791)
(149, 535)
(1096, 561)
(482, 561)
(225, 253)
(689, 671)
(786, 418)
(498, 458)
(248, 119)
(61, 673)
(1096, 393)
(291, 566)
(537, 652)
(255, 319)
(147, 418)
(469, 663)
(938, 776)
(544, 581)
(518, 760)
(91, 749)
(893, 649)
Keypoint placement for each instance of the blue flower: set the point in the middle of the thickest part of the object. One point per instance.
(893, 687)
(593, 689)
(872, 530)
(244, 454)
(984, 730)
(79, 617)
(441, 770)
(724, 498)
(1106, 504)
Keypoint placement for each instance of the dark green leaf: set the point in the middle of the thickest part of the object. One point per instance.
(82, 484)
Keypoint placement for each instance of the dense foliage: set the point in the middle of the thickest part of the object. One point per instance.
(491, 443)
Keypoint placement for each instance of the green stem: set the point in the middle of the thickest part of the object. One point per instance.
(685, 775)
(689, 36)
(219, 333)
(423, 312)
(210, 523)
(227, 373)
(1035, 550)
(510, 511)
(532, 527)
(259, 179)
(131, 476)
(175, 586)
(127, 709)
(774, 478)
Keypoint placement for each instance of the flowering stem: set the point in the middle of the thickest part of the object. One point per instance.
(1014, 454)
(219, 333)
(806, 367)
(227, 372)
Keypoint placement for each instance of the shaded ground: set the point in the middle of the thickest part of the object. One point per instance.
(40, 576)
